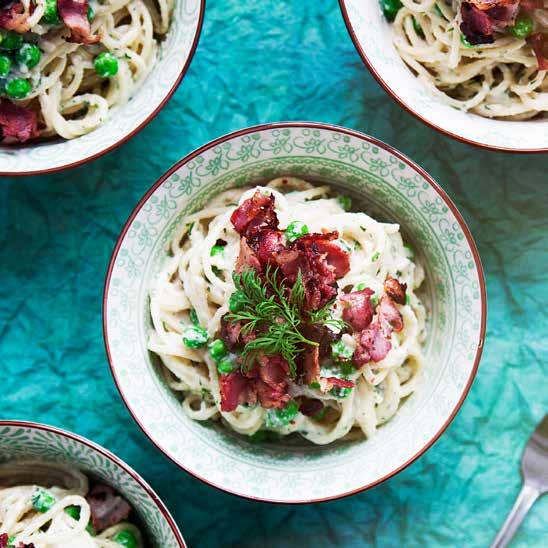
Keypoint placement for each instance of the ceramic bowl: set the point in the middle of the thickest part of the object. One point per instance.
(372, 36)
(173, 60)
(387, 185)
(38, 442)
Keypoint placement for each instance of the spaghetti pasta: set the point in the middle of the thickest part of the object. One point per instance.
(501, 79)
(77, 81)
(196, 285)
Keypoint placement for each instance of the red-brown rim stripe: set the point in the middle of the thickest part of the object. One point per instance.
(145, 122)
(112, 457)
(352, 133)
(392, 93)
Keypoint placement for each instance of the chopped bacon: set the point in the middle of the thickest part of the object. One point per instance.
(75, 16)
(390, 317)
(230, 333)
(372, 345)
(395, 290)
(481, 18)
(336, 257)
(341, 383)
(271, 397)
(310, 407)
(15, 17)
(236, 390)
(107, 507)
(273, 370)
(539, 43)
(17, 122)
(3, 540)
(254, 214)
(247, 260)
(357, 309)
(311, 364)
(268, 244)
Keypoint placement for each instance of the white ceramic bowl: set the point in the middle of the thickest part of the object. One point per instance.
(389, 186)
(21, 440)
(372, 36)
(173, 60)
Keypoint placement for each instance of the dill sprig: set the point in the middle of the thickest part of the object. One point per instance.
(277, 315)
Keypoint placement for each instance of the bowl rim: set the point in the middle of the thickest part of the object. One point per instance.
(130, 135)
(409, 109)
(110, 456)
(307, 125)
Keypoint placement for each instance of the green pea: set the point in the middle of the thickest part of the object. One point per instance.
(345, 202)
(18, 88)
(276, 418)
(5, 65)
(360, 287)
(314, 385)
(407, 299)
(91, 13)
(217, 250)
(523, 26)
(73, 512)
(225, 366)
(194, 336)
(29, 55)
(390, 8)
(10, 40)
(106, 65)
(42, 500)
(125, 538)
(374, 301)
(51, 14)
(341, 351)
(464, 41)
(217, 349)
(295, 230)
(237, 301)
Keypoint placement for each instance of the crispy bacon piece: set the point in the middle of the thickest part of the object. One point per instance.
(341, 383)
(271, 397)
(254, 214)
(372, 345)
(273, 370)
(15, 18)
(311, 364)
(539, 42)
(17, 122)
(357, 308)
(107, 507)
(390, 317)
(75, 16)
(235, 390)
(268, 243)
(395, 290)
(247, 260)
(3, 540)
(335, 256)
(481, 18)
(310, 407)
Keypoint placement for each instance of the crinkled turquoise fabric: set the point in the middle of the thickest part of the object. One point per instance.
(261, 61)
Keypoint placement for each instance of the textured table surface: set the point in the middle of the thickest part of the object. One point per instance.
(261, 61)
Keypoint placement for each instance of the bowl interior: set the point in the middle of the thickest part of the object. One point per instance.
(28, 442)
(173, 55)
(372, 35)
(386, 185)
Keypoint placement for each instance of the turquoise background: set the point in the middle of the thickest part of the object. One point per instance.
(261, 61)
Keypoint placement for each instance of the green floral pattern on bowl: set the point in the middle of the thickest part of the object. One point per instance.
(30, 441)
(175, 53)
(387, 185)
(372, 35)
